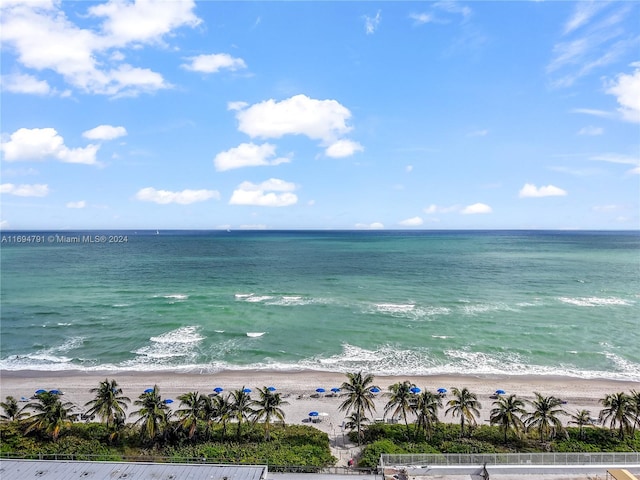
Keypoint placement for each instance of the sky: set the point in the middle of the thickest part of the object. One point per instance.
(156, 114)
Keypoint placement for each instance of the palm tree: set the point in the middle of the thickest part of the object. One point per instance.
(544, 416)
(401, 401)
(153, 413)
(267, 407)
(359, 398)
(108, 403)
(507, 414)
(355, 421)
(582, 418)
(241, 404)
(194, 411)
(51, 415)
(209, 414)
(222, 411)
(466, 405)
(635, 403)
(12, 411)
(618, 410)
(426, 408)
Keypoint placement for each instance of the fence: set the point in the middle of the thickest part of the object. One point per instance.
(599, 458)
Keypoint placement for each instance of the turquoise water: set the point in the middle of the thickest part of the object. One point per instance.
(565, 303)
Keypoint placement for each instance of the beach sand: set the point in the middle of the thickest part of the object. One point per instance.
(578, 393)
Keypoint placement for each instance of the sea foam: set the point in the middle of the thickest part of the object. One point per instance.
(594, 301)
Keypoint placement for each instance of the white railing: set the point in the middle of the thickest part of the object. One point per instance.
(596, 458)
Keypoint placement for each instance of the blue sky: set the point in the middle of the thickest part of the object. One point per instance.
(313, 115)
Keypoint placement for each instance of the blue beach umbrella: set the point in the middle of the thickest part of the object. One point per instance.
(271, 389)
(218, 389)
(415, 390)
(314, 414)
(247, 390)
(320, 390)
(442, 390)
(168, 400)
(55, 392)
(500, 392)
(148, 390)
(335, 389)
(38, 392)
(374, 390)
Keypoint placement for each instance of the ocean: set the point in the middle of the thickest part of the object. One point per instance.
(384, 302)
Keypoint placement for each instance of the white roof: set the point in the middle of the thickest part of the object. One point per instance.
(72, 470)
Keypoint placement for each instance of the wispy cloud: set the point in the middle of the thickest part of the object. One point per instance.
(594, 36)
(583, 12)
(620, 159)
(371, 24)
(422, 18)
(591, 131)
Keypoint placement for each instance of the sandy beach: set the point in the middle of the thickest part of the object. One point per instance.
(298, 388)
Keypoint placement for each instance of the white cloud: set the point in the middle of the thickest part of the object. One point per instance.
(35, 190)
(235, 106)
(105, 132)
(421, 18)
(78, 204)
(43, 38)
(411, 222)
(370, 226)
(343, 148)
(591, 131)
(4, 224)
(606, 208)
(531, 191)
(626, 88)
(478, 133)
(143, 21)
(185, 197)
(213, 63)
(247, 155)
(408, 168)
(42, 143)
(371, 23)
(453, 7)
(431, 209)
(263, 194)
(324, 120)
(20, 83)
(476, 208)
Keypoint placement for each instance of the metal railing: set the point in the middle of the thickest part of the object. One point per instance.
(595, 458)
